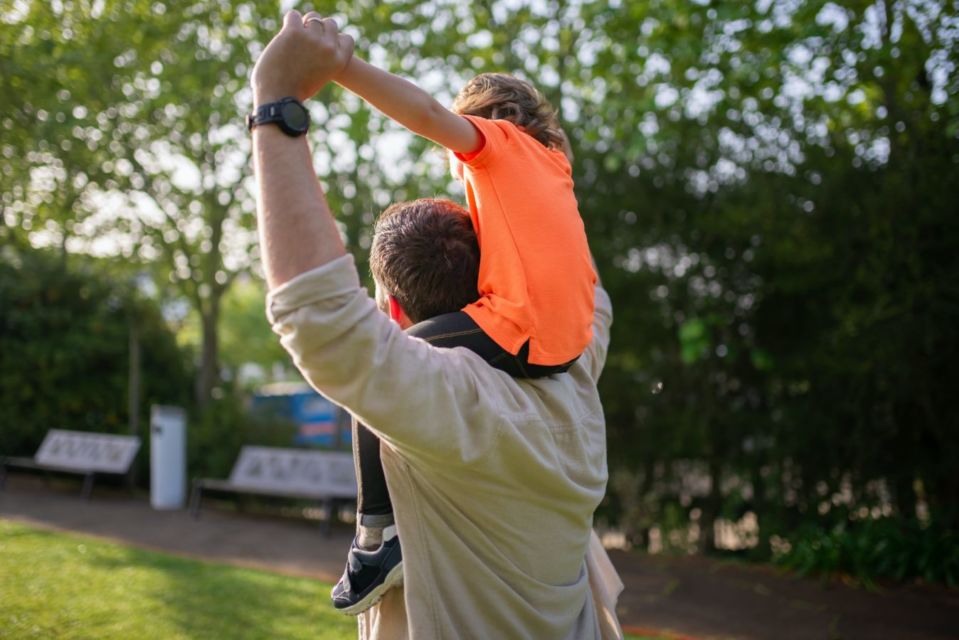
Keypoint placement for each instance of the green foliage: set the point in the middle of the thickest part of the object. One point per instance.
(64, 351)
(869, 550)
(64, 363)
(218, 430)
(779, 259)
(154, 119)
(245, 333)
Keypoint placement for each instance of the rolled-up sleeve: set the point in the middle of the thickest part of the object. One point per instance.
(355, 355)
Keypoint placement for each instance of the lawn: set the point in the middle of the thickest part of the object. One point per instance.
(55, 585)
(72, 587)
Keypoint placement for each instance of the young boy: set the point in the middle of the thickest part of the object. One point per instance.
(536, 280)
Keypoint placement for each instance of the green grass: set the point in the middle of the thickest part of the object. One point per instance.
(72, 587)
(55, 585)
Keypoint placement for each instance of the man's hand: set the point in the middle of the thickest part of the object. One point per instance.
(306, 54)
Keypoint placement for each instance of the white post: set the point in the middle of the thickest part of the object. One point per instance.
(167, 457)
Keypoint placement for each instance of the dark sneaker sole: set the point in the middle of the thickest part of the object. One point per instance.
(393, 579)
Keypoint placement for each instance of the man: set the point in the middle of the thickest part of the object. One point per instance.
(494, 479)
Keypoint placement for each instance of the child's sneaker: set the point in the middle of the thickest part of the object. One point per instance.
(368, 575)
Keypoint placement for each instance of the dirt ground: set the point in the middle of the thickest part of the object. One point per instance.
(690, 597)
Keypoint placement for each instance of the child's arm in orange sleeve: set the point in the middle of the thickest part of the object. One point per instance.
(410, 106)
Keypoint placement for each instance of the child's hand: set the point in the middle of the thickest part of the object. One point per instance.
(314, 16)
(306, 54)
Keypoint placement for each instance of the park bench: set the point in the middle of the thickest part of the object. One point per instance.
(79, 452)
(327, 477)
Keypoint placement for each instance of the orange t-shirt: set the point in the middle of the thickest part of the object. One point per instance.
(536, 278)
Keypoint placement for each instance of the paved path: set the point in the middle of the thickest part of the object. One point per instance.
(695, 597)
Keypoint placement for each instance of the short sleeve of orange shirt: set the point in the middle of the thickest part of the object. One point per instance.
(536, 279)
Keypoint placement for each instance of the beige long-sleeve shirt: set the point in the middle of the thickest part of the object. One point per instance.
(494, 480)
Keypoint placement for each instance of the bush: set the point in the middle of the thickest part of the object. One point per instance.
(64, 351)
(870, 550)
(217, 432)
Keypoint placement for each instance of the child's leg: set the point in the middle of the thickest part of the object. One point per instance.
(374, 510)
(375, 560)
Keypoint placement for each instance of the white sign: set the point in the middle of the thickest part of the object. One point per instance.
(310, 473)
(84, 451)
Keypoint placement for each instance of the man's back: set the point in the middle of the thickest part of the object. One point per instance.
(494, 480)
(496, 542)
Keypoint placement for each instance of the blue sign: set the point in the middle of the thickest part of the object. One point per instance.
(320, 423)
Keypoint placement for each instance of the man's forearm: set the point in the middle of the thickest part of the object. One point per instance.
(408, 105)
(297, 230)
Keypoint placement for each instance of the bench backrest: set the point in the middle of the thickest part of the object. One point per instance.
(85, 451)
(323, 474)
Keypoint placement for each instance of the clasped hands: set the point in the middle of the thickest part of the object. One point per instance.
(308, 52)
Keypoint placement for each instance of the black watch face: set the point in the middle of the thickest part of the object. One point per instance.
(295, 116)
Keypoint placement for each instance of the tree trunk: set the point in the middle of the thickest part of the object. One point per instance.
(64, 254)
(208, 375)
(707, 537)
(759, 508)
(133, 391)
(904, 495)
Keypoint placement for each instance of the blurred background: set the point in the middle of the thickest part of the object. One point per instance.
(769, 188)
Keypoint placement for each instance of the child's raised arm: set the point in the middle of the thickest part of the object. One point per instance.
(410, 106)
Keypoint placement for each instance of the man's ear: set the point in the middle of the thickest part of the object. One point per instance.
(396, 311)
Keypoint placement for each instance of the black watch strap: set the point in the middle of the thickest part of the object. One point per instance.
(287, 113)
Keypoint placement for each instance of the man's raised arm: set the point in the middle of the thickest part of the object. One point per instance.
(297, 231)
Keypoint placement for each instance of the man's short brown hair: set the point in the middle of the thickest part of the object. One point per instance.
(425, 255)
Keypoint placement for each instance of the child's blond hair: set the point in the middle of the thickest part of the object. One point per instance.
(499, 96)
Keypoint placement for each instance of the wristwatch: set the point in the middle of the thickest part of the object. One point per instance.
(288, 113)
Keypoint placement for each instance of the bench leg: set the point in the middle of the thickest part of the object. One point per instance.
(87, 490)
(195, 497)
(331, 512)
(3, 476)
(130, 481)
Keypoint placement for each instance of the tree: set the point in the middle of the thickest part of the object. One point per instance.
(153, 118)
(54, 67)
